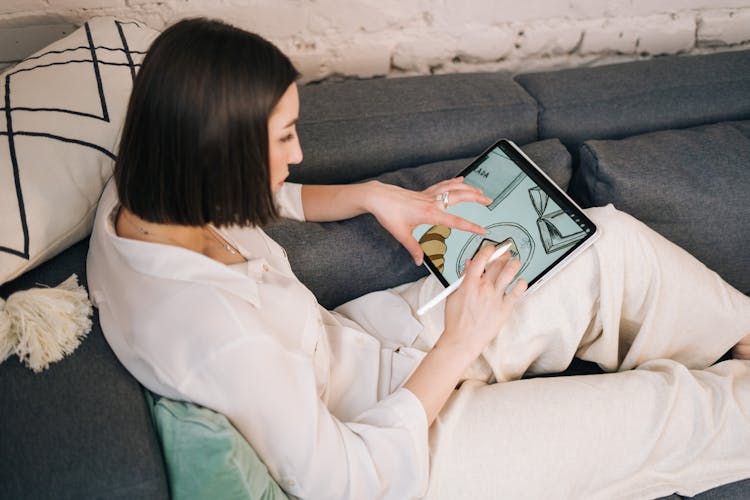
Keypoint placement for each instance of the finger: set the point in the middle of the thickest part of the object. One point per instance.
(457, 222)
(412, 246)
(451, 186)
(450, 182)
(467, 262)
(462, 186)
(494, 268)
(476, 267)
(515, 293)
(444, 185)
(508, 274)
(457, 196)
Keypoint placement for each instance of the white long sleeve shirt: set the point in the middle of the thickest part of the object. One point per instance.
(318, 397)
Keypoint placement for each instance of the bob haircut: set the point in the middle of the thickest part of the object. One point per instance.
(194, 147)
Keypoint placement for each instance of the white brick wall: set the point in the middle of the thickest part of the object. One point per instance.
(365, 38)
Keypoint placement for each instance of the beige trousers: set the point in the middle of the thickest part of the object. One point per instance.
(666, 422)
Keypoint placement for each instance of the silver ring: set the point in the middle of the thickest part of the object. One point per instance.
(444, 198)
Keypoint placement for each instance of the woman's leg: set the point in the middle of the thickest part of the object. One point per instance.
(662, 301)
(629, 300)
(644, 433)
(631, 297)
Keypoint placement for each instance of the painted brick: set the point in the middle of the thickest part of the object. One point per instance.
(724, 28)
(313, 66)
(456, 13)
(609, 35)
(422, 55)
(644, 8)
(676, 34)
(363, 60)
(390, 37)
(554, 37)
(489, 44)
(349, 17)
(650, 35)
(274, 20)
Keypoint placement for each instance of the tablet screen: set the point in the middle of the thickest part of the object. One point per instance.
(528, 211)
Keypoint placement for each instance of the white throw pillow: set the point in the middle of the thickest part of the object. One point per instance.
(62, 113)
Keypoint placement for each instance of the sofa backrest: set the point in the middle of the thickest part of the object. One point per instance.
(621, 100)
(356, 129)
(690, 185)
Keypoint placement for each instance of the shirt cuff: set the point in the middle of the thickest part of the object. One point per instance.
(410, 410)
(289, 201)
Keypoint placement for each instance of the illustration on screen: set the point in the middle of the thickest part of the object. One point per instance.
(500, 233)
(556, 229)
(486, 242)
(433, 245)
(502, 182)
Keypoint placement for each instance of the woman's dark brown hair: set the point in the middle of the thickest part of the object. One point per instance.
(194, 147)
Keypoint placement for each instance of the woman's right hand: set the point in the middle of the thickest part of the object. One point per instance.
(474, 315)
(476, 312)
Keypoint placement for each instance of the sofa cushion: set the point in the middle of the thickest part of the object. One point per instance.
(63, 110)
(739, 490)
(690, 185)
(352, 130)
(325, 255)
(620, 100)
(206, 456)
(81, 428)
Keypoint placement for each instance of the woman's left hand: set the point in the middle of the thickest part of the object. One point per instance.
(401, 210)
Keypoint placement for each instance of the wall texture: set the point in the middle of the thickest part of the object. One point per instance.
(366, 38)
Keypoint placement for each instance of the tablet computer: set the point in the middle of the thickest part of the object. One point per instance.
(545, 228)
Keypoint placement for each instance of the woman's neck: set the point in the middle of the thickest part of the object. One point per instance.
(200, 239)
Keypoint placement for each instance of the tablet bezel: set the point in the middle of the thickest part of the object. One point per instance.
(552, 190)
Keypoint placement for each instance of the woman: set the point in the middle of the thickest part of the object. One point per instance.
(199, 304)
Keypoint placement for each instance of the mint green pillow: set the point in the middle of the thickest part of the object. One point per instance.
(206, 457)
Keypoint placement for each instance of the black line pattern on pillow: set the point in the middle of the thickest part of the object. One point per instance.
(95, 64)
(97, 57)
(127, 51)
(73, 49)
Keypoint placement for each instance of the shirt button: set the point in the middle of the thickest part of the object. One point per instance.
(265, 268)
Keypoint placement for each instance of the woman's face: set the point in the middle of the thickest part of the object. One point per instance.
(283, 144)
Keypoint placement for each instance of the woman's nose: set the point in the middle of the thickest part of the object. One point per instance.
(295, 155)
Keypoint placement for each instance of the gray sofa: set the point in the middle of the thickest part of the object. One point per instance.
(667, 140)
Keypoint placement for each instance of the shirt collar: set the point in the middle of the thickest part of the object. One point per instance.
(176, 263)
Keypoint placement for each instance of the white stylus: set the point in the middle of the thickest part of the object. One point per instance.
(453, 286)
